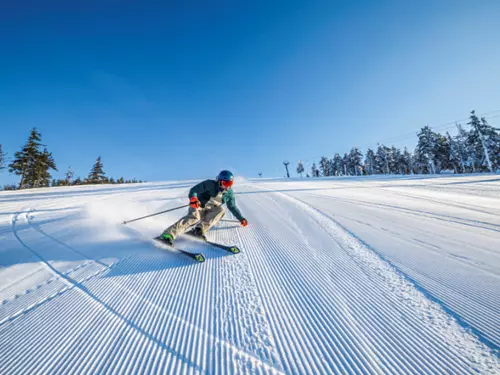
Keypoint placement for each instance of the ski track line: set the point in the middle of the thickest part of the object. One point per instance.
(423, 244)
(421, 290)
(238, 277)
(344, 363)
(443, 202)
(436, 250)
(420, 213)
(58, 276)
(275, 319)
(241, 304)
(69, 281)
(444, 324)
(478, 321)
(235, 351)
(342, 335)
(303, 333)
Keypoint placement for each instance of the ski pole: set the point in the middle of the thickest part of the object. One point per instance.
(158, 213)
(229, 221)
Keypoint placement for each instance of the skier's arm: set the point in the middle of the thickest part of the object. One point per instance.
(231, 204)
(198, 189)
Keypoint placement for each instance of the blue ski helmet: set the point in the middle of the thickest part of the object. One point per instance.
(225, 179)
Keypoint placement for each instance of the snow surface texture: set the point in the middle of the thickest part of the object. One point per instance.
(337, 276)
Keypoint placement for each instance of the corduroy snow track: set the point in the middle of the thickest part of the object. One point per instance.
(335, 276)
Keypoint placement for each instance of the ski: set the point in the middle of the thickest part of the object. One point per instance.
(231, 248)
(199, 257)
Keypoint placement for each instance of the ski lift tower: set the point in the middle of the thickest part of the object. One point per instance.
(285, 163)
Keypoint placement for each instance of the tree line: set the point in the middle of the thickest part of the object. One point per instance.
(472, 150)
(34, 163)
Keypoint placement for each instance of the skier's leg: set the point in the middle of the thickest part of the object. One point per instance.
(183, 224)
(211, 217)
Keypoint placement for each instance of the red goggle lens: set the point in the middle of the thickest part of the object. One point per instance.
(227, 184)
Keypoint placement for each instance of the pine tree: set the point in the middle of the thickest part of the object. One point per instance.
(324, 166)
(394, 160)
(406, 162)
(300, 168)
(427, 146)
(346, 166)
(314, 170)
(120, 181)
(9, 187)
(454, 157)
(484, 140)
(96, 175)
(466, 152)
(336, 165)
(370, 162)
(442, 153)
(69, 176)
(31, 164)
(25, 160)
(42, 175)
(355, 158)
(381, 160)
(492, 142)
(2, 158)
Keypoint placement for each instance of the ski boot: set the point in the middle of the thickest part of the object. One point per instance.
(197, 232)
(167, 239)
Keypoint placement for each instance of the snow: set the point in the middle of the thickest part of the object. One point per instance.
(360, 275)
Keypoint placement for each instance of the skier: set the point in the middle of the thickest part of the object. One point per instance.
(205, 201)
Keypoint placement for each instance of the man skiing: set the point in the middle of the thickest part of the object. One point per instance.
(206, 208)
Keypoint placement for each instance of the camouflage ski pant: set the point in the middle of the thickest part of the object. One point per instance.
(206, 218)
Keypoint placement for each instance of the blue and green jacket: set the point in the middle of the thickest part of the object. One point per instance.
(210, 189)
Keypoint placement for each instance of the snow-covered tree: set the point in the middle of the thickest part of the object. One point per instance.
(394, 160)
(336, 165)
(406, 162)
(300, 168)
(455, 157)
(355, 161)
(467, 153)
(314, 170)
(381, 160)
(370, 162)
(2, 158)
(485, 142)
(97, 175)
(324, 166)
(426, 148)
(346, 165)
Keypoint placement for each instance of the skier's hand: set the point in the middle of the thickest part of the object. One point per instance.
(194, 203)
(244, 222)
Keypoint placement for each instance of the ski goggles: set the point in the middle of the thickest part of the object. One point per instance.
(226, 184)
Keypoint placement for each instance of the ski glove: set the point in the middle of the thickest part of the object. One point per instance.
(194, 203)
(244, 222)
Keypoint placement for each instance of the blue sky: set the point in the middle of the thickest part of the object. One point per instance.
(177, 91)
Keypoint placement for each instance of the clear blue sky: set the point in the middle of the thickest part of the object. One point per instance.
(178, 91)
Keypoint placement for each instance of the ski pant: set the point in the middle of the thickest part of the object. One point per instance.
(205, 217)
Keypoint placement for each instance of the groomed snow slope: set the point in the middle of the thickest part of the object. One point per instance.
(337, 276)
